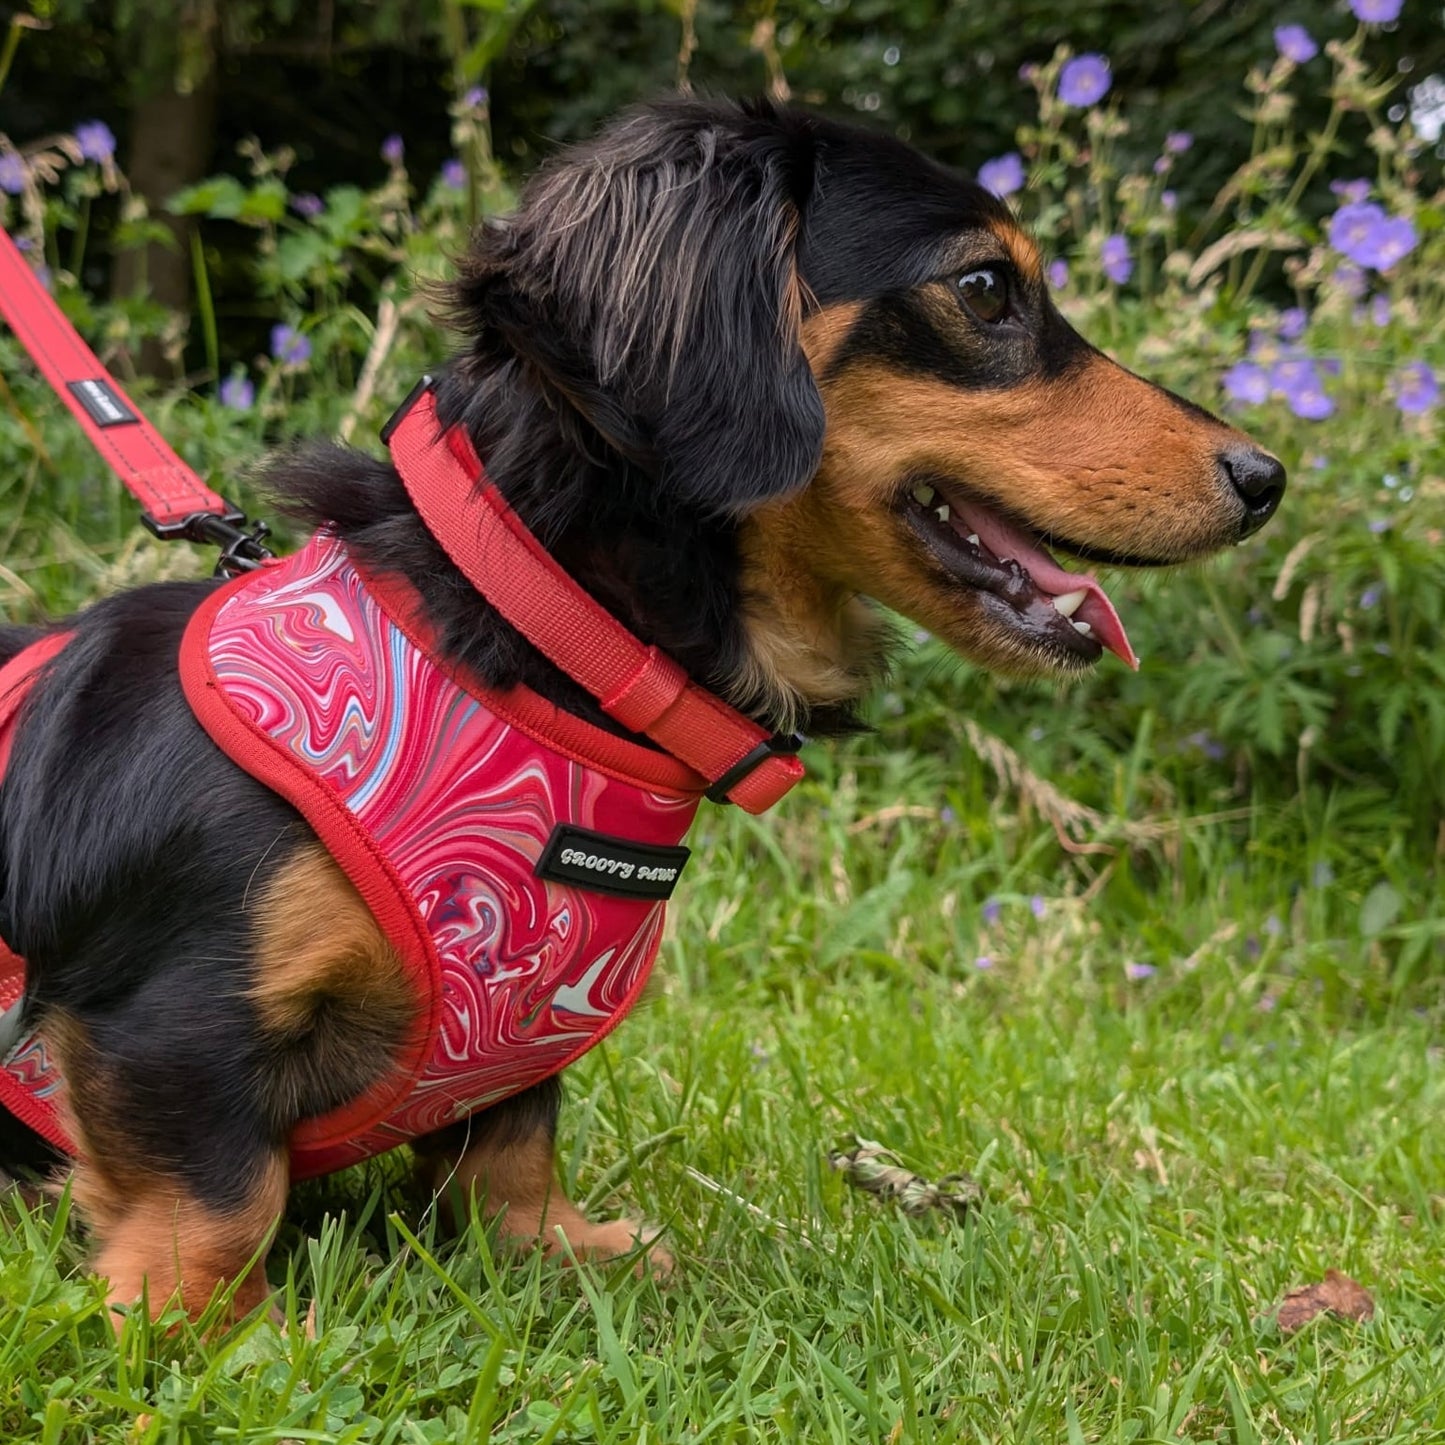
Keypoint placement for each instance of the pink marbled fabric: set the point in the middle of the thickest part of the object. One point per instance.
(531, 972)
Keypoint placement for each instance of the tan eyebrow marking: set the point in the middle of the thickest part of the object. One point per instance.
(1021, 249)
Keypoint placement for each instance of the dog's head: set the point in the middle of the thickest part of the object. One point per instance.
(847, 354)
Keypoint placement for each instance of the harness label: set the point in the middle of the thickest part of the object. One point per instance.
(610, 865)
(100, 400)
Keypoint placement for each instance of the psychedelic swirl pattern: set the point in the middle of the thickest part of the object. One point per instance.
(462, 803)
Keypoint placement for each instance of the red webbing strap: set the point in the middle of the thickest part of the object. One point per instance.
(27, 1106)
(639, 686)
(166, 487)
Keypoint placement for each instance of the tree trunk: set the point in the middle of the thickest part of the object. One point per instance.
(172, 137)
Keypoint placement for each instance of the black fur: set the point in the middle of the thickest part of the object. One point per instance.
(633, 378)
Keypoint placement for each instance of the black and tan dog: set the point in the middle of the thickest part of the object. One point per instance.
(746, 372)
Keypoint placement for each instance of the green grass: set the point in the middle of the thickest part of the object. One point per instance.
(1161, 1159)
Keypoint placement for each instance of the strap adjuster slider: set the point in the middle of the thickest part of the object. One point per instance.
(780, 745)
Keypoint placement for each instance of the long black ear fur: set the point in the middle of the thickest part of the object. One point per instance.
(651, 278)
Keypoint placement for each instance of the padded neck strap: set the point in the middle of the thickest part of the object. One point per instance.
(640, 687)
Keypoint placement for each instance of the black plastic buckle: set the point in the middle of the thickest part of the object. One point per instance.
(780, 745)
(399, 415)
(241, 551)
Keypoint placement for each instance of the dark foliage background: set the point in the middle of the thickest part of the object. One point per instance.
(332, 79)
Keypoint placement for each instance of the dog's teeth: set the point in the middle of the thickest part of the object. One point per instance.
(1082, 628)
(973, 539)
(1070, 602)
(923, 494)
(942, 514)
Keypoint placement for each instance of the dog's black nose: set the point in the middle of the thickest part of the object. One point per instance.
(1258, 478)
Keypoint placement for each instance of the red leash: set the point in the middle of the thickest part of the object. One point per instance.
(176, 502)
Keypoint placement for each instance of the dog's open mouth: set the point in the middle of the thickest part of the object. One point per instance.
(1066, 612)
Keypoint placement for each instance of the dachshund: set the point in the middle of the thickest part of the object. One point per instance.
(750, 376)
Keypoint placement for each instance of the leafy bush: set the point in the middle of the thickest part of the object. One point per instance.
(1302, 670)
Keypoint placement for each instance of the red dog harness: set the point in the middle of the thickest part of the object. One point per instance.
(517, 858)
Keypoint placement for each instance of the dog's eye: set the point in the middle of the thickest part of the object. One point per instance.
(985, 293)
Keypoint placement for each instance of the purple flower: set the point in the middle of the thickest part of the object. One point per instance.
(1273, 926)
(1169, 200)
(1207, 744)
(237, 392)
(1377, 12)
(992, 908)
(983, 961)
(1303, 389)
(1351, 192)
(1416, 387)
(308, 205)
(1292, 323)
(1177, 142)
(1003, 175)
(1247, 382)
(1138, 972)
(289, 346)
(13, 173)
(1370, 597)
(1380, 310)
(1163, 165)
(1295, 43)
(1353, 227)
(947, 816)
(1380, 525)
(1084, 80)
(454, 175)
(1037, 906)
(1364, 233)
(1391, 242)
(1114, 256)
(1058, 274)
(95, 141)
(475, 98)
(393, 148)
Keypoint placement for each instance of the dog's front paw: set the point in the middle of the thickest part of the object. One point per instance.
(611, 1240)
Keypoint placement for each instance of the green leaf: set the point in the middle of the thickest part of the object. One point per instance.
(1379, 910)
(222, 197)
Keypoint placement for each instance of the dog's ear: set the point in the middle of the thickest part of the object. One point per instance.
(651, 276)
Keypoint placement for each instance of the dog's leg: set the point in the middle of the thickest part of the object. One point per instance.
(180, 1179)
(156, 1238)
(505, 1158)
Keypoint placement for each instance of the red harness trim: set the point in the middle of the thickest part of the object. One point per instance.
(640, 686)
(16, 678)
(166, 487)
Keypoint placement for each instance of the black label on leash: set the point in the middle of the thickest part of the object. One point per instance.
(100, 400)
(610, 865)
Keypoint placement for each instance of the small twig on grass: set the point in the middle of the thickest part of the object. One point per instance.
(773, 1226)
(891, 815)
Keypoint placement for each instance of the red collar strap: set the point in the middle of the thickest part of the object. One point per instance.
(636, 685)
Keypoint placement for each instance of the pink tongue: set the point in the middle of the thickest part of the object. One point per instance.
(1009, 544)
